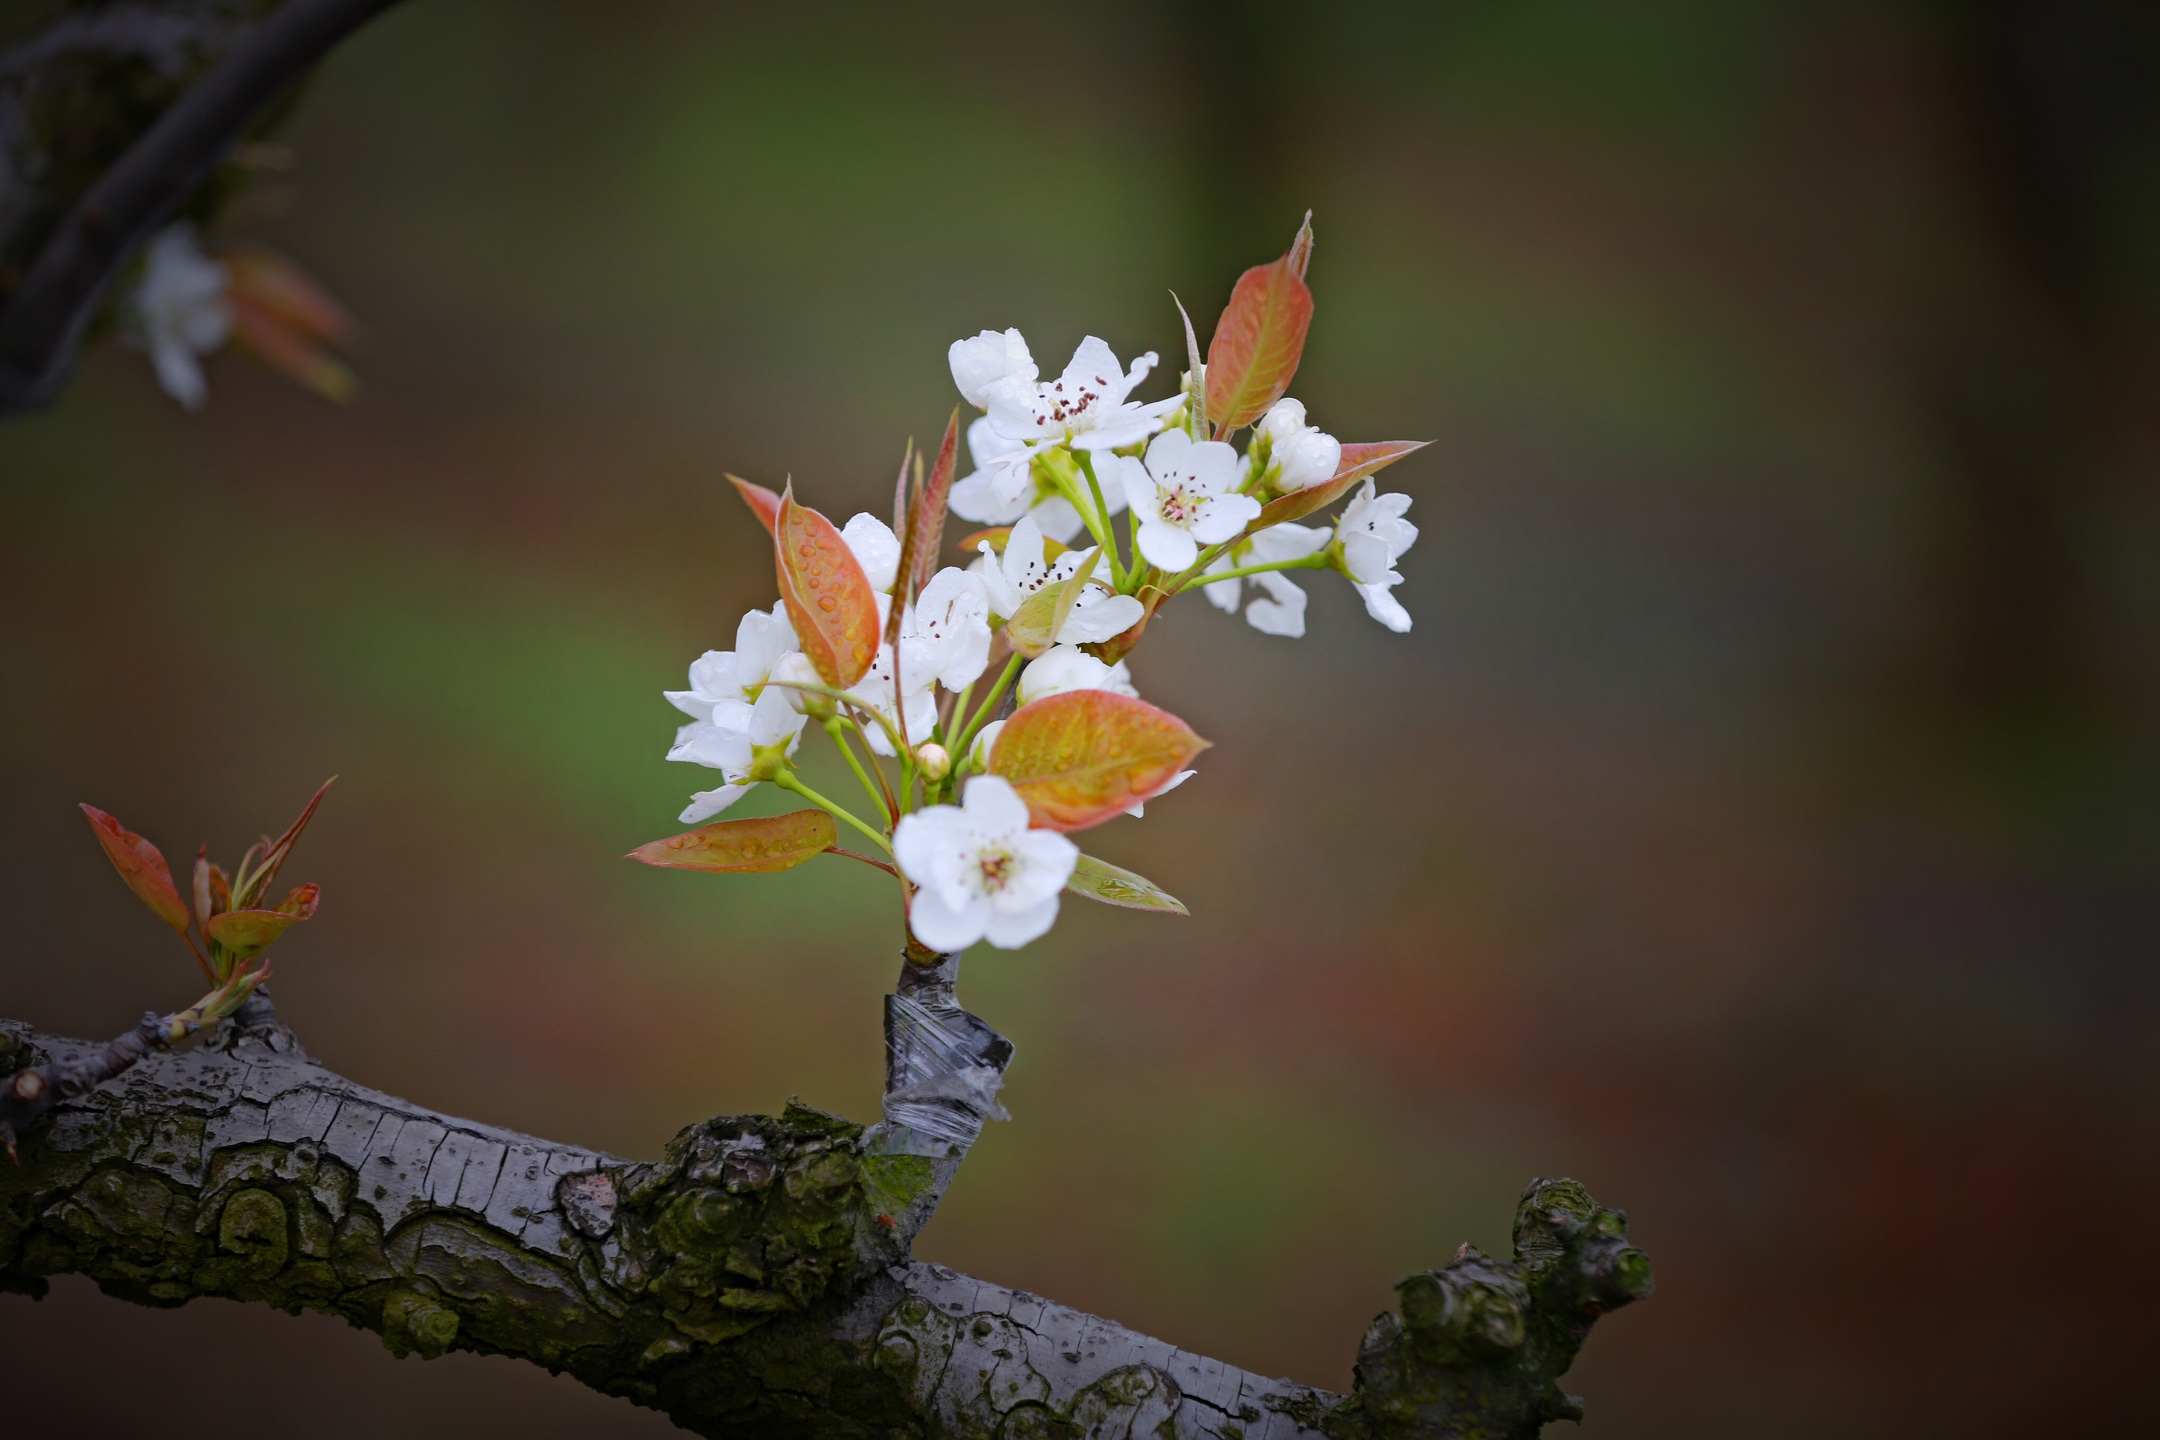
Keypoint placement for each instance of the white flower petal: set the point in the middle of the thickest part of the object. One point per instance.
(1384, 607)
(704, 804)
(875, 547)
(1009, 930)
(941, 926)
(1281, 611)
(986, 359)
(1165, 545)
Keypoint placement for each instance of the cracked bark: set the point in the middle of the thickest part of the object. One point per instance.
(753, 1280)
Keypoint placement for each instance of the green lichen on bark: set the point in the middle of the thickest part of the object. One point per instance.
(1478, 1348)
(745, 1283)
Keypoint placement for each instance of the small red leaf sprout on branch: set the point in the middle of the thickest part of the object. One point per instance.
(983, 710)
(227, 922)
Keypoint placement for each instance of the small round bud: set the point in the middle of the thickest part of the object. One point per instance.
(935, 760)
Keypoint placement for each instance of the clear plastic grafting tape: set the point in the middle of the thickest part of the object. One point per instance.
(943, 1068)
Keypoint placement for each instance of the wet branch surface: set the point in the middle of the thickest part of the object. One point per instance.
(751, 1281)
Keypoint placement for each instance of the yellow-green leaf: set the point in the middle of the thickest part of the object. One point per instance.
(763, 846)
(1100, 880)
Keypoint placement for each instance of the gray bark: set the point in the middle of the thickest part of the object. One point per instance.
(753, 1280)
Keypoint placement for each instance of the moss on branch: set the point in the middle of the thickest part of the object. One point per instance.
(751, 1281)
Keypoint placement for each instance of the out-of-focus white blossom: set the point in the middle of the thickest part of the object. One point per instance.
(762, 637)
(730, 743)
(981, 873)
(183, 312)
(875, 547)
(1181, 497)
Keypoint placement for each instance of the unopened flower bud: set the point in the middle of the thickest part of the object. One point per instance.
(935, 760)
(795, 669)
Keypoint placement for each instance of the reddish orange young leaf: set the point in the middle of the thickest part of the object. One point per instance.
(275, 851)
(287, 319)
(141, 865)
(762, 502)
(828, 596)
(927, 522)
(904, 518)
(213, 892)
(299, 902)
(1258, 343)
(244, 934)
(1086, 756)
(1358, 461)
(764, 846)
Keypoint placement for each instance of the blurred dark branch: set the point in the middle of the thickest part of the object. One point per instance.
(753, 1281)
(170, 151)
(2055, 100)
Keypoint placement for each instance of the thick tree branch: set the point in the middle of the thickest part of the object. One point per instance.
(167, 158)
(751, 1281)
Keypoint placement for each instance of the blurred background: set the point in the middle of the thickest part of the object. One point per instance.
(1759, 824)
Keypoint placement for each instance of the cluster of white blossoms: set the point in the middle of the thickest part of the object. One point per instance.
(1049, 604)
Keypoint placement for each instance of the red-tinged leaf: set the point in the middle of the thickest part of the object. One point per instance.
(258, 275)
(213, 892)
(1100, 880)
(244, 934)
(1118, 646)
(1033, 628)
(299, 902)
(762, 502)
(141, 865)
(904, 530)
(927, 523)
(764, 846)
(1301, 248)
(276, 851)
(1358, 461)
(1086, 756)
(1258, 343)
(828, 596)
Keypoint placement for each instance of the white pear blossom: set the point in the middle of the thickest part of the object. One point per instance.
(1299, 456)
(1181, 495)
(875, 548)
(1068, 667)
(729, 743)
(1009, 579)
(183, 312)
(944, 640)
(1004, 487)
(982, 873)
(1374, 535)
(985, 738)
(1280, 608)
(762, 638)
(1086, 407)
(990, 357)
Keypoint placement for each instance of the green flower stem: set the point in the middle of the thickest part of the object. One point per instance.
(1207, 557)
(1105, 533)
(786, 780)
(1318, 560)
(879, 795)
(989, 705)
(853, 702)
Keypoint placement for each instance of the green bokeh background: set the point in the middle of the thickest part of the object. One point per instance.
(1759, 823)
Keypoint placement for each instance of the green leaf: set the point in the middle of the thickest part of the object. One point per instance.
(244, 934)
(1100, 880)
(763, 846)
(1034, 628)
(1086, 756)
(142, 865)
(828, 596)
